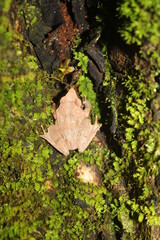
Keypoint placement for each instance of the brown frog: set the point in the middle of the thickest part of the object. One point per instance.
(72, 129)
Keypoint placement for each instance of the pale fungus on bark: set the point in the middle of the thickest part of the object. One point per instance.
(88, 173)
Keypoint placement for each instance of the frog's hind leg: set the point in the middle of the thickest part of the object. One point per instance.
(56, 139)
(87, 134)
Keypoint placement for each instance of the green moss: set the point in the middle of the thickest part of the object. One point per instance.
(85, 84)
(5, 5)
(142, 21)
(22, 152)
(29, 209)
(140, 151)
(74, 220)
(30, 11)
(141, 26)
(41, 198)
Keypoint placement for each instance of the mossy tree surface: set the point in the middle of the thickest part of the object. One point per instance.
(24, 101)
(40, 196)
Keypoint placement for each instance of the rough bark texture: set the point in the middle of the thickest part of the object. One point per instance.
(109, 52)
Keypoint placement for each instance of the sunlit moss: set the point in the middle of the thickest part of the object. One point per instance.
(41, 198)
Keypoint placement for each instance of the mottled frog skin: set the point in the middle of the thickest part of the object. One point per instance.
(72, 129)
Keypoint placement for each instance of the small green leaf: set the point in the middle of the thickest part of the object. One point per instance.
(141, 217)
(37, 187)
